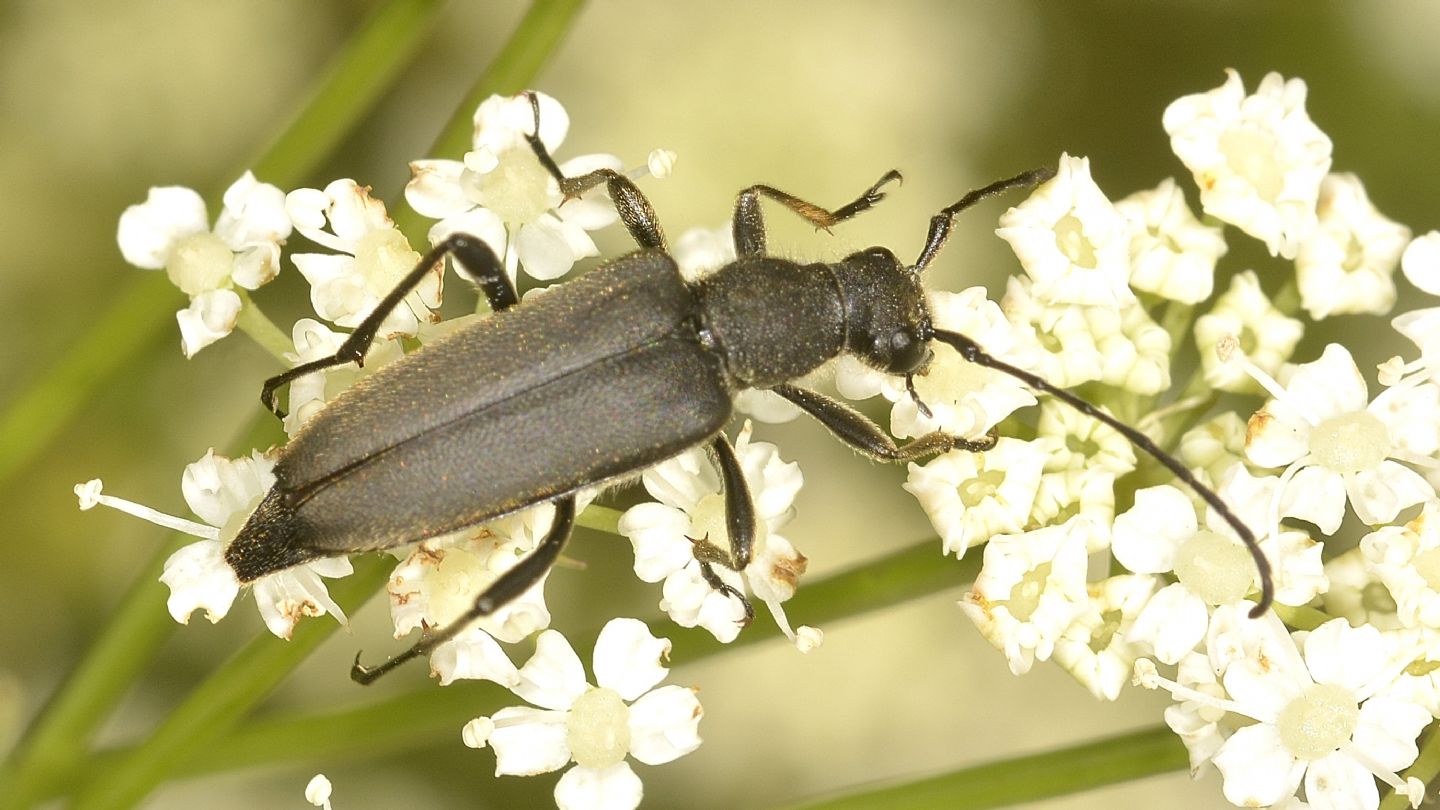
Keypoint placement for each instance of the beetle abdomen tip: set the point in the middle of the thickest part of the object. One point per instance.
(266, 543)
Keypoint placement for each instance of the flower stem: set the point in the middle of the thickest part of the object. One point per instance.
(261, 329)
(144, 310)
(1029, 778)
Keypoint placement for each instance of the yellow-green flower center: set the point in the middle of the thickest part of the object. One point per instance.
(1071, 240)
(597, 729)
(453, 584)
(1351, 442)
(1319, 721)
(1025, 596)
(517, 188)
(1251, 153)
(1214, 567)
(383, 257)
(200, 263)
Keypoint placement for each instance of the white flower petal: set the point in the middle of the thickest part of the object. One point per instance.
(198, 577)
(613, 788)
(629, 658)
(210, 316)
(554, 676)
(1147, 536)
(1378, 495)
(1258, 770)
(434, 189)
(1316, 494)
(528, 741)
(149, 230)
(657, 533)
(1421, 262)
(1338, 782)
(473, 655)
(253, 213)
(1339, 654)
(1172, 623)
(544, 249)
(1387, 731)
(665, 725)
(287, 596)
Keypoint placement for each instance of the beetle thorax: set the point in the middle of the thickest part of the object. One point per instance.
(772, 320)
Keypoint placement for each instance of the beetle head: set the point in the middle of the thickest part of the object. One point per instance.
(886, 320)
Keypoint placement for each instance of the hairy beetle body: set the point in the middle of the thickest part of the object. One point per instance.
(592, 381)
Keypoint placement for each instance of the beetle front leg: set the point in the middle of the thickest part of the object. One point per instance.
(858, 431)
(479, 261)
(502, 591)
(748, 224)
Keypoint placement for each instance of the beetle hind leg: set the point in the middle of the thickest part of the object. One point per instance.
(507, 588)
(481, 264)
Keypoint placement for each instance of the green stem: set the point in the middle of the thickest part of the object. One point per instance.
(53, 750)
(219, 703)
(144, 309)
(261, 329)
(301, 741)
(1029, 778)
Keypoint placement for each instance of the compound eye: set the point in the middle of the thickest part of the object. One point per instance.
(907, 351)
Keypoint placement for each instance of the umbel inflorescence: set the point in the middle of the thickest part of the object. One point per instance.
(1320, 700)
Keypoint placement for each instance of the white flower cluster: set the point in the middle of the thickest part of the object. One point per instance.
(1110, 293)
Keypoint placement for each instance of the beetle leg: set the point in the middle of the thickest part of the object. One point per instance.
(749, 223)
(507, 588)
(635, 211)
(856, 430)
(480, 263)
(707, 572)
(739, 507)
(941, 222)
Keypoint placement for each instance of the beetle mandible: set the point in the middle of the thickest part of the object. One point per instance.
(604, 376)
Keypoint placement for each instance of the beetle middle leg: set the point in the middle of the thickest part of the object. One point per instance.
(858, 431)
(508, 587)
(748, 224)
(481, 264)
(739, 524)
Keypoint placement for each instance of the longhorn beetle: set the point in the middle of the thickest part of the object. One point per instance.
(606, 375)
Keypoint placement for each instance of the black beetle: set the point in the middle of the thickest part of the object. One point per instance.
(606, 375)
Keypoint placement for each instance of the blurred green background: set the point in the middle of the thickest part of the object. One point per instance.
(99, 101)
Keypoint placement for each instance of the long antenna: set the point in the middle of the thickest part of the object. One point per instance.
(970, 350)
